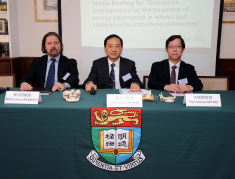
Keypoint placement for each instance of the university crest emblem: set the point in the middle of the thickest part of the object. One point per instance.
(116, 135)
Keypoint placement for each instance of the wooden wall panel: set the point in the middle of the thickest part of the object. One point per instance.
(11, 66)
(16, 69)
(25, 64)
(17, 66)
(5, 66)
(227, 68)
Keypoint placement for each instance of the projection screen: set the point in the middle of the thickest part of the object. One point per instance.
(144, 26)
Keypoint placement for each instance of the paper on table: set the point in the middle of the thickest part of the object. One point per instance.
(181, 94)
(45, 93)
(128, 91)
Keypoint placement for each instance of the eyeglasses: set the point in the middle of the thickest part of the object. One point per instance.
(172, 47)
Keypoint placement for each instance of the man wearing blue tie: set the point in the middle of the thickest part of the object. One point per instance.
(52, 70)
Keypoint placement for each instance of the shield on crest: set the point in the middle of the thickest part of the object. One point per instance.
(116, 133)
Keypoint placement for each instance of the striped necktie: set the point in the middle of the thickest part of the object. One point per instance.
(51, 75)
(172, 80)
(112, 77)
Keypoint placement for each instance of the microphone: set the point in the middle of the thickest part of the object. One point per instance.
(3, 89)
(92, 91)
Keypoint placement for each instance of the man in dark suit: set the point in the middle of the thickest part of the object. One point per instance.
(173, 74)
(52, 70)
(113, 71)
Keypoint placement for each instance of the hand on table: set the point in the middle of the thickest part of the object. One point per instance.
(90, 85)
(25, 87)
(172, 88)
(135, 87)
(185, 88)
(58, 86)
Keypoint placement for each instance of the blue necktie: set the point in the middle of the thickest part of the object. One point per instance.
(112, 77)
(51, 75)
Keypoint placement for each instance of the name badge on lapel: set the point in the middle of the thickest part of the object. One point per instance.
(66, 76)
(126, 77)
(183, 81)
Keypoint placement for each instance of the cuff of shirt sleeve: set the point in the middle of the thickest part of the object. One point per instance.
(67, 85)
(22, 83)
(135, 83)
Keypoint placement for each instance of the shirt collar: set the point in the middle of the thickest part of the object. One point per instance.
(56, 58)
(116, 63)
(172, 64)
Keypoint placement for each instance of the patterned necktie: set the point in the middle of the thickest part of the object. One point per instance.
(173, 75)
(51, 75)
(112, 77)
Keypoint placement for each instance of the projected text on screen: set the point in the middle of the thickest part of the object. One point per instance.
(147, 23)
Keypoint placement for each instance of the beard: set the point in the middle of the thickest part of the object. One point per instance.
(53, 52)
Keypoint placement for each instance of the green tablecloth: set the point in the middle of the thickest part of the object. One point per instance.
(53, 138)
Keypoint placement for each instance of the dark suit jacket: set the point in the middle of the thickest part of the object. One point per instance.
(99, 74)
(160, 75)
(37, 71)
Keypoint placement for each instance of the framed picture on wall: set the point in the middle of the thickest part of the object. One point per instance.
(229, 11)
(3, 27)
(3, 5)
(46, 10)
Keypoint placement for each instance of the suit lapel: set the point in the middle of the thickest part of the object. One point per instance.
(44, 68)
(105, 69)
(182, 71)
(61, 67)
(166, 71)
(122, 70)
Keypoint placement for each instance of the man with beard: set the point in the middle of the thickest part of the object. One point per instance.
(52, 70)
